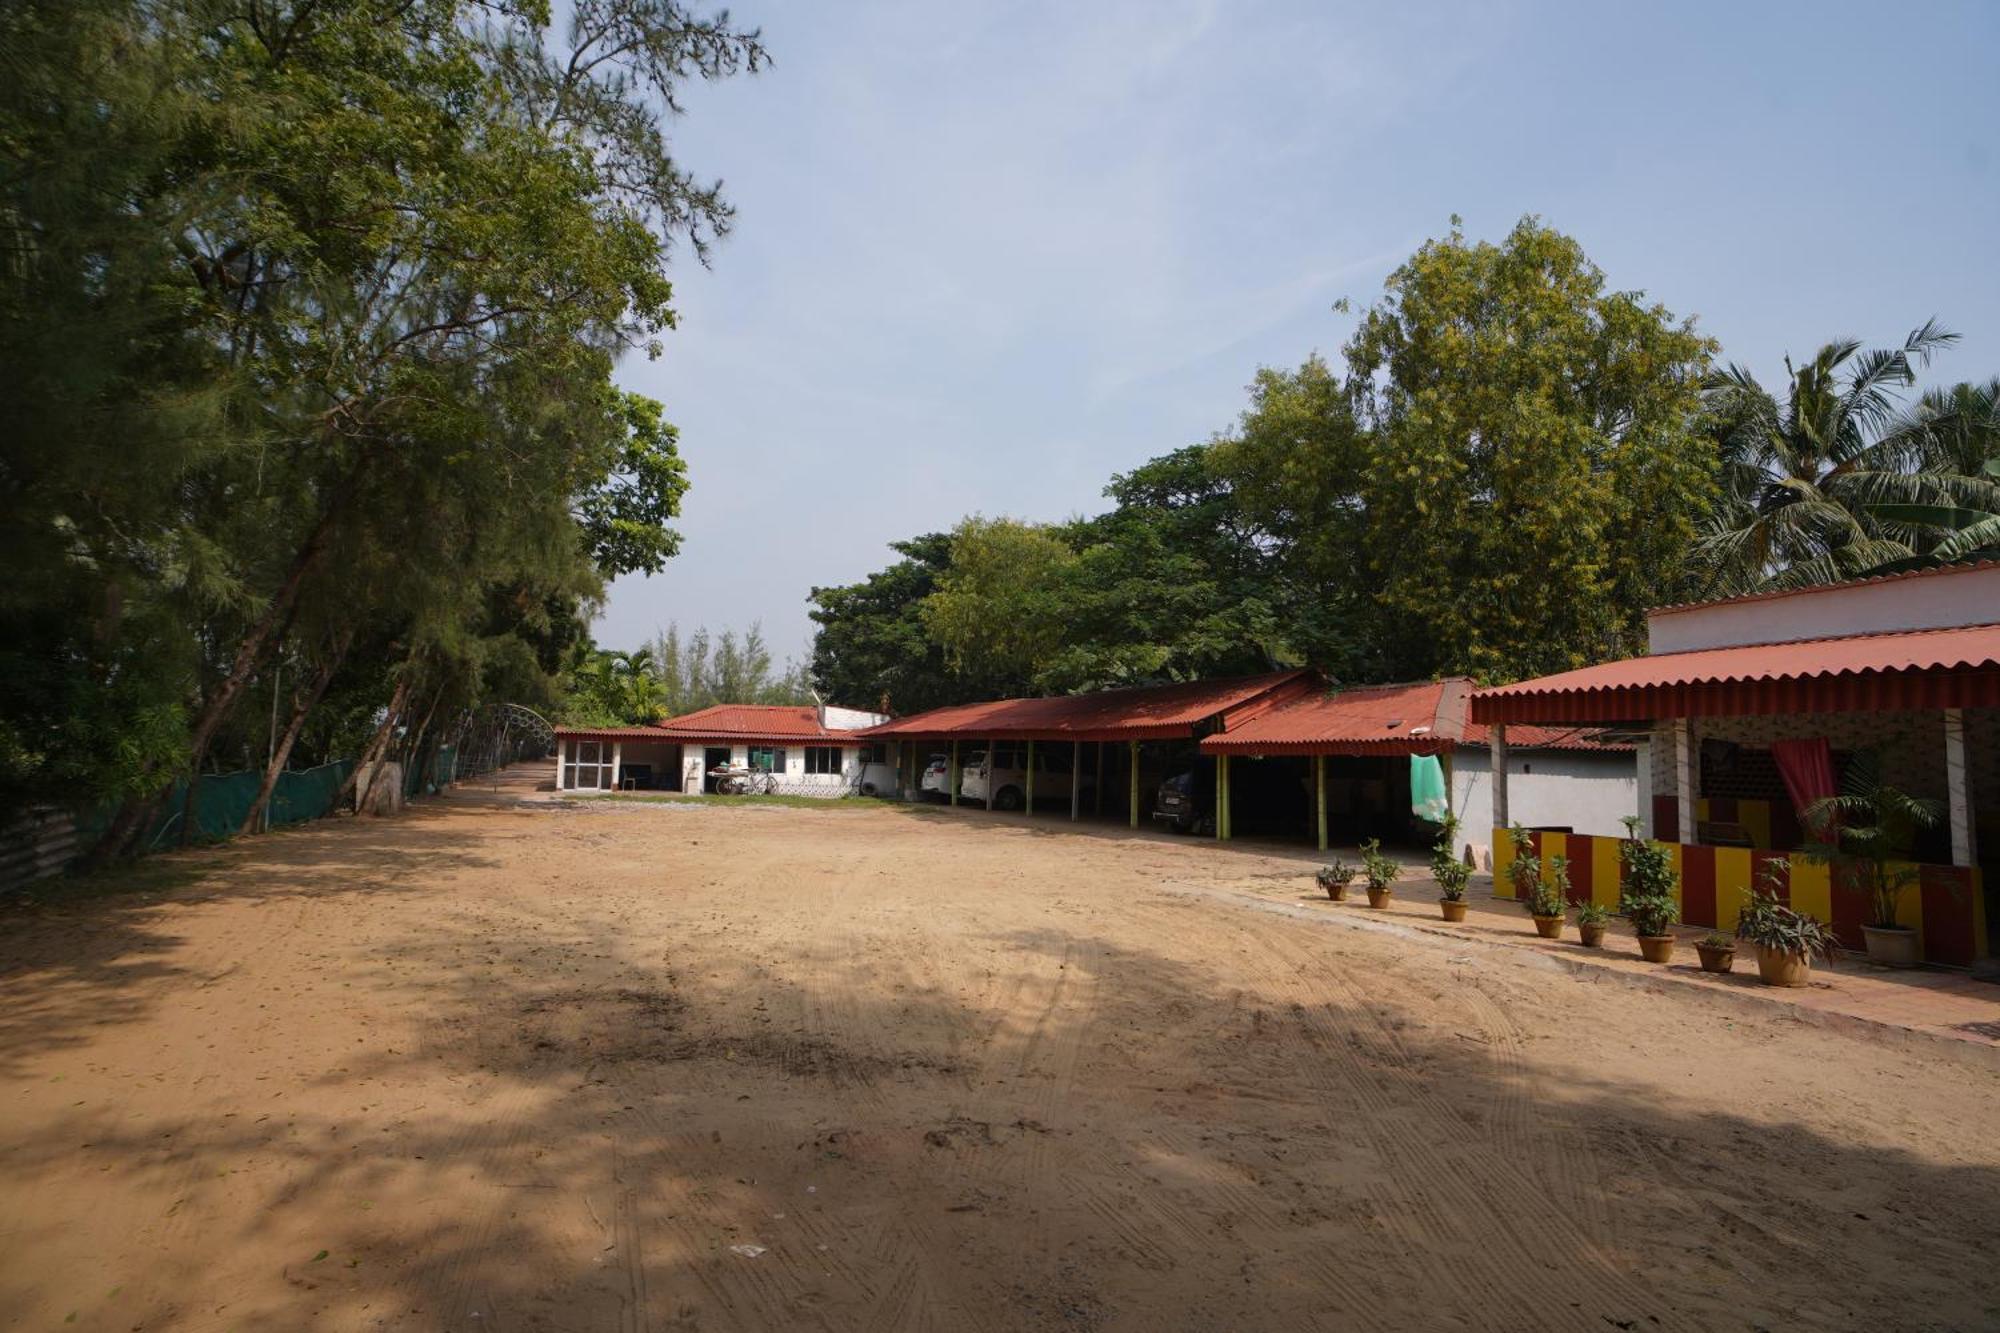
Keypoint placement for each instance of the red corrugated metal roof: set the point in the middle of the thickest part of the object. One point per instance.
(1424, 717)
(1528, 736)
(1147, 712)
(1911, 669)
(725, 722)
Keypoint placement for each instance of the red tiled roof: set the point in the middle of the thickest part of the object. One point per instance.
(1911, 669)
(1423, 717)
(1146, 712)
(724, 722)
(1528, 736)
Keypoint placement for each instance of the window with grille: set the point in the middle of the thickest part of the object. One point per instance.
(767, 759)
(822, 759)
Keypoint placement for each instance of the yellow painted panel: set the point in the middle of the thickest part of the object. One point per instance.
(1553, 845)
(1812, 888)
(1909, 903)
(1674, 850)
(1732, 881)
(1503, 856)
(1605, 867)
(1755, 817)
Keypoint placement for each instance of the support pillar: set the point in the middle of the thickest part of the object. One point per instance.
(562, 755)
(1097, 794)
(952, 778)
(1684, 773)
(992, 772)
(1028, 783)
(1225, 799)
(1075, 779)
(1221, 785)
(1643, 752)
(617, 762)
(1319, 796)
(1135, 784)
(1958, 790)
(1502, 816)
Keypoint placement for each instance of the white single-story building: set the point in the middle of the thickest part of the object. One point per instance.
(1572, 779)
(797, 750)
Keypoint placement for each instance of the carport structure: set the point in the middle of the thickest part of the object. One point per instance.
(1378, 722)
(1117, 722)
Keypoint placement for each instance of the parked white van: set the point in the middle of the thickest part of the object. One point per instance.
(1008, 777)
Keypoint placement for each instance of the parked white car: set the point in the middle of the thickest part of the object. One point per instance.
(936, 782)
(1053, 778)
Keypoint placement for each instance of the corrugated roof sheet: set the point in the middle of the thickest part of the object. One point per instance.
(725, 722)
(1912, 669)
(1147, 712)
(1528, 736)
(1422, 717)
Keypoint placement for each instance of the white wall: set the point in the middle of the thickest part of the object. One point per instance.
(798, 782)
(1969, 596)
(1587, 791)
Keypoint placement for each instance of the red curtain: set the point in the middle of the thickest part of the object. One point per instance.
(1807, 768)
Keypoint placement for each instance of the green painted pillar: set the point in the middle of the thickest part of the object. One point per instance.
(952, 777)
(1028, 802)
(1135, 784)
(1221, 779)
(1319, 795)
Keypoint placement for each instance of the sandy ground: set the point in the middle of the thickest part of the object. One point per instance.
(497, 1067)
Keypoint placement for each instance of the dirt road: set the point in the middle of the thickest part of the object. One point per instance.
(494, 1067)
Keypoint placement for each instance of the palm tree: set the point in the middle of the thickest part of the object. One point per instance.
(1960, 432)
(1803, 481)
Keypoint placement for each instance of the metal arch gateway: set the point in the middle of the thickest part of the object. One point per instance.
(499, 734)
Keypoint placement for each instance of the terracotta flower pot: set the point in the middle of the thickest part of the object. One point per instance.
(1783, 969)
(1657, 948)
(1591, 934)
(1899, 947)
(1453, 908)
(1337, 892)
(1549, 927)
(1714, 959)
(1379, 898)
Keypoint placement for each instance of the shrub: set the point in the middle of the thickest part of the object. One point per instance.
(1591, 914)
(1451, 874)
(1647, 897)
(1332, 876)
(1715, 939)
(1525, 871)
(1548, 894)
(1381, 871)
(1769, 924)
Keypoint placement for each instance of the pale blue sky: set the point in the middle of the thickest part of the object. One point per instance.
(987, 255)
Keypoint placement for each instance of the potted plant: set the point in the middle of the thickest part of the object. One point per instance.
(1380, 871)
(1451, 873)
(1335, 878)
(1590, 919)
(1786, 941)
(1867, 832)
(1646, 898)
(1718, 952)
(1547, 898)
(1525, 870)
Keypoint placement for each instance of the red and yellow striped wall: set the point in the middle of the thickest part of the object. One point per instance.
(1946, 906)
(1766, 824)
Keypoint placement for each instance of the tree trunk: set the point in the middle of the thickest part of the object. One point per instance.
(129, 823)
(378, 744)
(302, 707)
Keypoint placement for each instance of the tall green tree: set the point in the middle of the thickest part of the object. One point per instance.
(1535, 468)
(317, 303)
(999, 610)
(871, 648)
